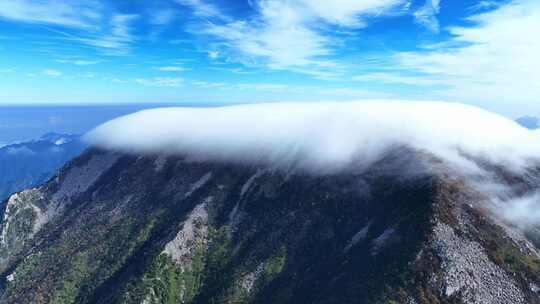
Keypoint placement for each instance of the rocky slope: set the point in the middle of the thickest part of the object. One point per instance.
(28, 164)
(115, 228)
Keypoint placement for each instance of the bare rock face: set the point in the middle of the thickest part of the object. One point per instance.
(192, 236)
(114, 228)
(468, 271)
(23, 217)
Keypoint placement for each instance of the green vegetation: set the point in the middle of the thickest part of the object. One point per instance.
(71, 283)
(167, 282)
(275, 265)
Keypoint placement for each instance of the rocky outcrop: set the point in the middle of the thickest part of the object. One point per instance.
(23, 218)
(468, 271)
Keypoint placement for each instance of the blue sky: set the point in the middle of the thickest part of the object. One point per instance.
(482, 52)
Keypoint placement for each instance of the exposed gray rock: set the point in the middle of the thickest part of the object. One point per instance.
(193, 236)
(380, 241)
(23, 218)
(248, 281)
(467, 270)
(249, 182)
(198, 184)
(360, 235)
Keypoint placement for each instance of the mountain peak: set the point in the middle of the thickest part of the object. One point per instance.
(58, 138)
(529, 122)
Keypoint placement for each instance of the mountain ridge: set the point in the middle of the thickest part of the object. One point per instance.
(30, 163)
(119, 224)
(529, 122)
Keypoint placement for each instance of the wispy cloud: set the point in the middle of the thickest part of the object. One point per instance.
(394, 78)
(427, 15)
(162, 17)
(51, 72)
(213, 54)
(316, 93)
(201, 8)
(87, 75)
(160, 81)
(117, 39)
(206, 84)
(171, 69)
(494, 59)
(80, 62)
(88, 22)
(74, 13)
(485, 4)
(118, 80)
(292, 35)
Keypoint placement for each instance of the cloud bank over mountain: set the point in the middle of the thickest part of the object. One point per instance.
(322, 137)
(331, 137)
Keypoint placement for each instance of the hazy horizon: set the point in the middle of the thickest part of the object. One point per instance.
(30, 121)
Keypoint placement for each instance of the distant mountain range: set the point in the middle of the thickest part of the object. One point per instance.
(529, 122)
(28, 164)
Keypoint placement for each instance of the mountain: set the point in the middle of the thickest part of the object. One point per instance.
(529, 122)
(132, 228)
(28, 164)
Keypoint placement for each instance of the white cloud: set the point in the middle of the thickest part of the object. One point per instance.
(399, 79)
(262, 86)
(213, 54)
(118, 37)
(485, 4)
(87, 75)
(74, 13)
(324, 134)
(88, 22)
(51, 72)
(344, 12)
(427, 15)
(171, 69)
(201, 8)
(160, 81)
(523, 211)
(118, 80)
(20, 150)
(279, 45)
(346, 93)
(322, 138)
(495, 61)
(291, 34)
(206, 84)
(297, 92)
(80, 62)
